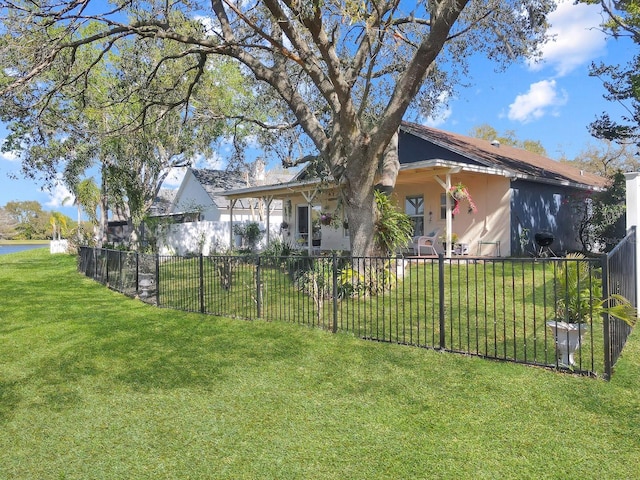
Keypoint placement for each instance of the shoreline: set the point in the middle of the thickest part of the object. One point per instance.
(25, 242)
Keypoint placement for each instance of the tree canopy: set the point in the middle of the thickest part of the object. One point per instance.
(487, 132)
(25, 220)
(622, 82)
(342, 72)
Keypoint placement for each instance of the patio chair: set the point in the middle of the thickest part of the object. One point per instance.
(426, 243)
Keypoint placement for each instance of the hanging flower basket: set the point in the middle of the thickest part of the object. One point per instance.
(326, 218)
(460, 193)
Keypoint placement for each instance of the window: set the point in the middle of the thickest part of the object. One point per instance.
(414, 207)
(443, 206)
(302, 224)
(303, 219)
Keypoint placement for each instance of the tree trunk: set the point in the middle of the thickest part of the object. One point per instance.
(361, 216)
(365, 167)
(104, 212)
(389, 166)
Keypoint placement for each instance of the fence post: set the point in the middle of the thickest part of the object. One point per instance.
(157, 279)
(606, 324)
(441, 300)
(258, 288)
(201, 268)
(334, 264)
(137, 274)
(120, 275)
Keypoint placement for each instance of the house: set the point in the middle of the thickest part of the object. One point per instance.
(517, 193)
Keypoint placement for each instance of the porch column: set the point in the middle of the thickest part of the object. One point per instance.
(309, 196)
(446, 185)
(232, 203)
(449, 221)
(267, 203)
(633, 216)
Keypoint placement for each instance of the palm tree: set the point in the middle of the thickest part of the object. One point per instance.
(86, 196)
(57, 219)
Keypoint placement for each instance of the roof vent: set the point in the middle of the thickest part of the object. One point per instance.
(495, 143)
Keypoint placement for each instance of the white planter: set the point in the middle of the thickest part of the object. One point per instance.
(569, 337)
(145, 284)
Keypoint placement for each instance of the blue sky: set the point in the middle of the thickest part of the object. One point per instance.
(552, 101)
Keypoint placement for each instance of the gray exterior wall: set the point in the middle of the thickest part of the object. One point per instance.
(540, 207)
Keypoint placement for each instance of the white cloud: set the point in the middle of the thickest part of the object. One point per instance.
(440, 113)
(174, 178)
(578, 40)
(439, 119)
(12, 156)
(215, 162)
(541, 99)
(211, 25)
(59, 196)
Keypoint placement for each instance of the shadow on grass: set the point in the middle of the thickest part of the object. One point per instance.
(69, 336)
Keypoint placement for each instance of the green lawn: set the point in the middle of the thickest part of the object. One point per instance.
(94, 385)
(492, 309)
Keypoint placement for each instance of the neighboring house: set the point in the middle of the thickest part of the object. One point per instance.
(163, 202)
(201, 215)
(517, 193)
(202, 190)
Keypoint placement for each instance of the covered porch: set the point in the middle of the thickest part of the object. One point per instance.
(314, 220)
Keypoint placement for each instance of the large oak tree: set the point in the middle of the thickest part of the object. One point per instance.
(343, 72)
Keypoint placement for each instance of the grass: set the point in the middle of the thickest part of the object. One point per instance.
(493, 309)
(94, 385)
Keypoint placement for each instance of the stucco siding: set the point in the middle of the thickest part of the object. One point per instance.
(491, 223)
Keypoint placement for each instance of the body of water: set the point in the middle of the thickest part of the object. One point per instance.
(19, 248)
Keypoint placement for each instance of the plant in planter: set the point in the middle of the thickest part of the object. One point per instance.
(454, 239)
(239, 232)
(326, 218)
(253, 234)
(578, 288)
(248, 235)
(394, 228)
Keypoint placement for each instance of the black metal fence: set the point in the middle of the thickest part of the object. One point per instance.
(499, 308)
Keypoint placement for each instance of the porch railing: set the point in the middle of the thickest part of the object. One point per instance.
(496, 308)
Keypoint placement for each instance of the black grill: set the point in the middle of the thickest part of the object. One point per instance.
(544, 239)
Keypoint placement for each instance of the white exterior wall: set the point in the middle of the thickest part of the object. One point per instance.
(59, 246)
(192, 196)
(633, 214)
(201, 237)
(334, 239)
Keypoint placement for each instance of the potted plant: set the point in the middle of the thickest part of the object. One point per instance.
(578, 288)
(326, 218)
(454, 240)
(253, 234)
(393, 228)
(238, 232)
